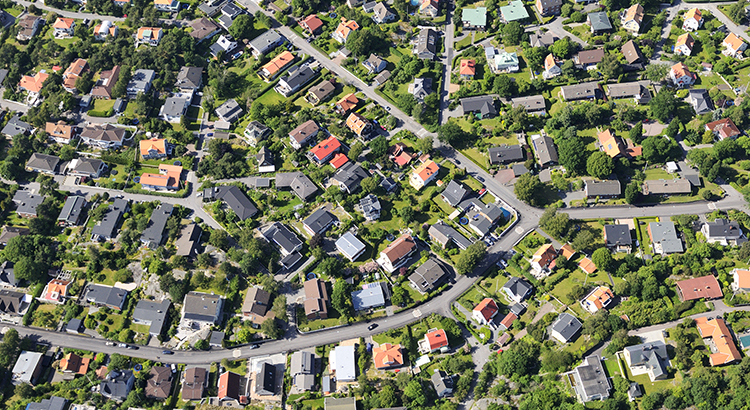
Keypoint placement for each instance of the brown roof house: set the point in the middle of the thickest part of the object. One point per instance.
(194, 382)
(159, 383)
(316, 299)
(397, 253)
(699, 288)
(256, 306)
(106, 82)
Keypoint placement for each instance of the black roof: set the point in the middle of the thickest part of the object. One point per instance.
(617, 235)
(154, 232)
(483, 104)
(265, 384)
(320, 220)
(237, 201)
(505, 154)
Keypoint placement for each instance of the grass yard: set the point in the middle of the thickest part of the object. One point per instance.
(45, 316)
(102, 108)
(306, 325)
(642, 233)
(270, 97)
(472, 297)
(657, 173)
(477, 157)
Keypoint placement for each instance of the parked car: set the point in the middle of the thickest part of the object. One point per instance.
(372, 326)
(167, 352)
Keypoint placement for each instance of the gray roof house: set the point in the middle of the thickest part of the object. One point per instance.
(454, 193)
(370, 207)
(265, 380)
(599, 22)
(188, 240)
(10, 232)
(664, 237)
(538, 39)
(421, 88)
(46, 164)
(266, 42)
(298, 182)
(105, 229)
(152, 314)
(235, 199)
(140, 82)
(618, 238)
(505, 154)
(72, 211)
(724, 232)
(651, 357)
(349, 176)
(15, 127)
(444, 234)
(426, 47)
(28, 368)
(302, 371)
(295, 79)
(11, 303)
(591, 382)
(371, 295)
(603, 189)
(153, 235)
(279, 234)
(7, 274)
(442, 383)
(483, 104)
(256, 305)
(202, 308)
(26, 203)
(230, 111)
(544, 149)
(374, 64)
(700, 101)
(583, 91)
(534, 104)
(427, 276)
(565, 328)
(350, 246)
(189, 78)
(103, 295)
(517, 289)
(53, 403)
(667, 187)
(319, 221)
(175, 107)
(117, 385)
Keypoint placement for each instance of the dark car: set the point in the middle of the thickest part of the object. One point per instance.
(372, 326)
(132, 347)
(167, 352)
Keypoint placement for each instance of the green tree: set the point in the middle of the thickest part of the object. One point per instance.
(657, 149)
(572, 152)
(663, 105)
(603, 260)
(356, 150)
(563, 48)
(219, 239)
(341, 298)
(452, 134)
(424, 144)
(636, 133)
(512, 33)
(202, 344)
(610, 66)
(242, 27)
(414, 393)
(632, 192)
(407, 214)
(271, 329)
(600, 165)
(528, 188)
(279, 308)
(656, 72)
(471, 257)
(535, 57)
(379, 147)
(9, 347)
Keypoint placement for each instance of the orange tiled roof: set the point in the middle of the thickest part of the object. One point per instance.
(549, 62)
(71, 362)
(170, 168)
(508, 320)
(702, 287)
(685, 39)
(356, 123)
(743, 278)
(600, 296)
(348, 102)
(326, 148)
(726, 350)
(437, 339)
(148, 33)
(427, 169)
(387, 355)
(56, 288)
(33, 84)
(346, 27)
(694, 13)
(170, 179)
(278, 63)
(59, 130)
(63, 23)
(399, 248)
(587, 265)
(681, 70)
(403, 159)
(567, 251)
(725, 127)
(635, 12)
(339, 160)
(312, 22)
(545, 255)
(487, 308)
(76, 68)
(156, 144)
(610, 144)
(733, 42)
(468, 67)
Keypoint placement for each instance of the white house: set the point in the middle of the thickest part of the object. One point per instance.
(693, 20)
(485, 311)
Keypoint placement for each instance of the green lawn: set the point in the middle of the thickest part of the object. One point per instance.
(270, 97)
(472, 297)
(658, 173)
(102, 108)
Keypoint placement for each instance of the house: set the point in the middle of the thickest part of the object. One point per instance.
(434, 340)
(230, 111)
(733, 46)
(442, 383)
(599, 22)
(587, 265)
(28, 368)
(650, 358)
(237, 201)
(7, 275)
(168, 178)
(167, 5)
(152, 314)
(723, 232)
(360, 126)
(588, 59)
(28, 27)
(346, 104)
(740, 283)
(265, 160)
(548, 8)
(544, 150)
(397, 253)
(467, 69)
(426, 45)
(86, 167)
(349, 246)
(312, 24)
(103, 295)
(316, 299)
(159, 382)
(617, 238)
(427, 276)
(664, 237)
(33, 84)
(140, 82)
(149, 35)
(538, 39)
(343, 364)
(224, 44)
(298, 182)
(483, 106)
(153, 235)
(154, 148)
(175, 107)
(13, 304)
(188, 241)
(382, 14)
(232, 386)
(632, 52)
(374, 64)
(485, 311)
(59, 132)
(589, 380)
(725, 349)
(53, 403)
(341, 34)
(74, 71)
(517, 289)
(194, 382)
(15, 126)
(667, 187)
(429, 8)
(632, 18)
(203, 29)
(255, 132)
(117, 385)
(551, 68)
(505, 154)
(105, 229)
(345, 403)
(454, 193)
(280, 235)
(565, 328)
(514, 11)
(637, 91)
(46, 164)
(421, 88)
(693, 20)
(381, 78)
(72, 210)
(72, 363)
(319, 93)
(202, 308)
(505, 62)
(681, 76)
(704, 287)
(370, 207)
(105, 83)
(105, 29)
(700, 101)
(444, 234)
(295, 78)
(684, 45)
(189, 79)
(599, 298)
(723, 129)
(266, 42)
(474, 19)
(515, 311)
(318, 222)
(423, 174)
(584, 91)
(265, 380)
(370, 296)
(387, 356)
(229, 12)
(256, 307)
(610, 144)
(534, 104)
(217, 339)
(27, 203)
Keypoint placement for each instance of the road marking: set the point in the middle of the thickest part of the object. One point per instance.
(237, 353)
(417, 313)
(711, 205)
(519, 230)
